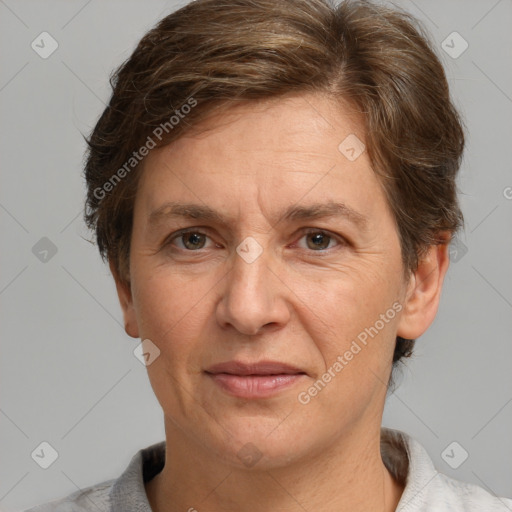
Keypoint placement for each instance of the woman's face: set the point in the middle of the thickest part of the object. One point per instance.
(261, 299)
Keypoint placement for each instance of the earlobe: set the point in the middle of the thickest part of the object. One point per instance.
(424, 292)
(124, 294)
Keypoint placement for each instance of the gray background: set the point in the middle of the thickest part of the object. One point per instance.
(69, 376)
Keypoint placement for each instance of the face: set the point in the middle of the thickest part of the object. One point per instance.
(275, 321)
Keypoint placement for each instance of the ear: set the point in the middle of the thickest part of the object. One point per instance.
(424, 292)
(124, 293)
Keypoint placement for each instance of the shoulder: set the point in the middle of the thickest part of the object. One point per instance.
(456, 495)
(94, 498)
(445, 494)
(426, 489)
(123, 494)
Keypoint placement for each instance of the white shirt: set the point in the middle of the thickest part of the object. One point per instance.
(425, 488)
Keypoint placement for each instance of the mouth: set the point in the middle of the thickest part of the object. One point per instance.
(261, 368)
(254, 380)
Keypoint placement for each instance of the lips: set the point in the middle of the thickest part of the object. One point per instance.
(261, 368)
(254, 380)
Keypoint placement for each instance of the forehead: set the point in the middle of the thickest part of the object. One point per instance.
(298, 122)
(266, 155)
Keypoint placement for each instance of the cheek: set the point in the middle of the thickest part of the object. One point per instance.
(171, 316)
(350, 297)
(355, 319)
(169, 310)
(356, 357)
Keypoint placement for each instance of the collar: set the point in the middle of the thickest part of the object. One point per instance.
(404, 457)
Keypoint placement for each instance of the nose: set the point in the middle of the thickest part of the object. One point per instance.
(253, 296)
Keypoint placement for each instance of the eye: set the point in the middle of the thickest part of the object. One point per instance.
(191, 240)
(318, 240)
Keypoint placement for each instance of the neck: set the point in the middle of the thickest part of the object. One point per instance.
(349, 476)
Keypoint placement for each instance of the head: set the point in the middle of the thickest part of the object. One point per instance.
(248, 113)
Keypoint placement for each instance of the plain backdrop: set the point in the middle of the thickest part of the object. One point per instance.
(68, 373)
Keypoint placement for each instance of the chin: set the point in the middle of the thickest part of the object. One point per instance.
(264, 443)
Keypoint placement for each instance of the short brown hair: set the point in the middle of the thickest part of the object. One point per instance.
(209, 54)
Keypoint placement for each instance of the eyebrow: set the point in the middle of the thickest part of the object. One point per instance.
(171, 210)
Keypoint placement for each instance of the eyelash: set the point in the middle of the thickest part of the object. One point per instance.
(308, 231)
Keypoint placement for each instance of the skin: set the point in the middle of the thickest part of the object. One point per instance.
(201, 303)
